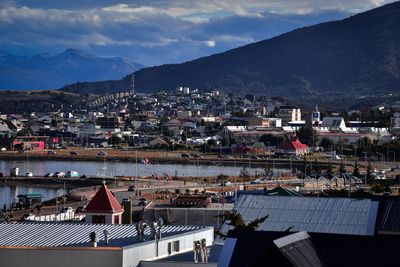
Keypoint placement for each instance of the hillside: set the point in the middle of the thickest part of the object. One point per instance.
(47, 71)
(357, 55)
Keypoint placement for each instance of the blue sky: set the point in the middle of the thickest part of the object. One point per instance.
(158, 32)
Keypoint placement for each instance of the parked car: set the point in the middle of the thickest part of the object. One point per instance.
(102, 153)
(143, 202)
(51, 152)
(72, 174)
(255, 181)
(49, 174)
(185, 156)
(29, 174)
(59, 174)
(73, 153)
(226, 183)
(3, 149)
(131, 188)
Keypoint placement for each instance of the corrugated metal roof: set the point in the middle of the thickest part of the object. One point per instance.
(77, 234)
(390, 217)
(323, 215)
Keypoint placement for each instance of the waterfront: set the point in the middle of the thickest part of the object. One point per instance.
(8, 194)
(91, 168)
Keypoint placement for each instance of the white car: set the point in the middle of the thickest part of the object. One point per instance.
(256, 181)
(59, 174)
(29, 174)
(102, 153)
(3, 149)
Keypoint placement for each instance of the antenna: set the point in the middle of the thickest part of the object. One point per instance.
(94, 238)
(106, 236)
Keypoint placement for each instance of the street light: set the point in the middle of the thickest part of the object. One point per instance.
(382, 159)
(304, 174)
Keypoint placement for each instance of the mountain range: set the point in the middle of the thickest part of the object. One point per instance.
(359, 55)
(49, 71)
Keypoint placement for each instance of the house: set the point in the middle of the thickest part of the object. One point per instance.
(157, 142)
(292, 147)
(334, 123)
(30, 142)
(103, 208)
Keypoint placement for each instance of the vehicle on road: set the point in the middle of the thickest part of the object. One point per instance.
(49, 174)
(255, 181)
(102, 154)
(73, 153)
(58, 174)
(185, 156)
(226, 183)
(143, 202)
(51, 152)
(29, 174)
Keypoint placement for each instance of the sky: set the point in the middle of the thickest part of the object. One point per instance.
(155, 32)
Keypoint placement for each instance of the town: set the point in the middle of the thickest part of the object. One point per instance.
(263, 147)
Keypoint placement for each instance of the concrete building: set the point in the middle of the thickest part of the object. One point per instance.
(288, 114)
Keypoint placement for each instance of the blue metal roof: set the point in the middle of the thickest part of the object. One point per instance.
(77, 234)
(321, 215)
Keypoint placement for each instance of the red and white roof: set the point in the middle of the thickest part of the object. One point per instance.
(292, 145)
(104, 202)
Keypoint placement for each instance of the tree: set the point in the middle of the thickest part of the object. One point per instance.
(329, 169)
(221, 177)
(356, 169)
(272, 140)
(235, 220)
(308, 136)
(369, 171)
(183, 136)
(316, 166)
(342, 168)
(244, 174)
(326, 143)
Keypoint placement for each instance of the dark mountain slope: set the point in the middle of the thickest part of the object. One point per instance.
(357, 55)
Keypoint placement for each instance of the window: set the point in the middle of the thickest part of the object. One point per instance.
(116, 219)
(175, 246)
(169, 248)
(98, 219)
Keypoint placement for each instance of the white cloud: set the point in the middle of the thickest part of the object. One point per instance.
(158, 31)
(210, 43)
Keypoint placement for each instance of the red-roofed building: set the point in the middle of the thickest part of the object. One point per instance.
(292, 147)
(104, 208)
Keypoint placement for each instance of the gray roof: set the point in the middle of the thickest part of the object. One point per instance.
(321, 215)
(77, 234)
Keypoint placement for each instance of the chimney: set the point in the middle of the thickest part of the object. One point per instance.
(127, 215)
(94, 238)
(106, 236)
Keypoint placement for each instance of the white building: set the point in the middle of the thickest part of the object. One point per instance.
(70, 244)
(288, 114)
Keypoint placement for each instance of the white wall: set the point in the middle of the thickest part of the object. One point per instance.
(60, 257)
(146, 250)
